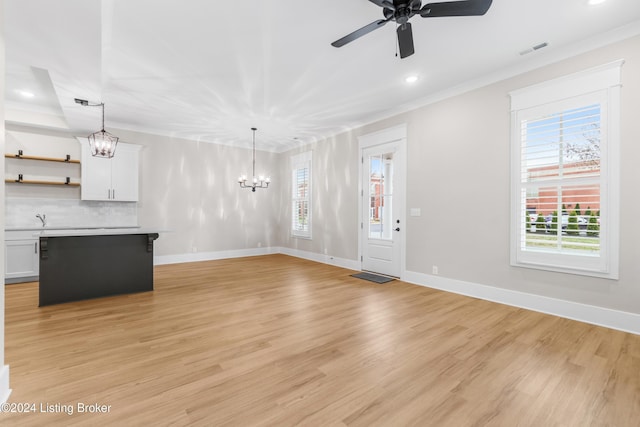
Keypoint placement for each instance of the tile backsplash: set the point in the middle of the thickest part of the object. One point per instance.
(21, 213)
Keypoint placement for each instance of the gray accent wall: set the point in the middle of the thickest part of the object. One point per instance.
(458, 175)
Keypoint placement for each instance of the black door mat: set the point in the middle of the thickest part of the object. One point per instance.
(373, 277)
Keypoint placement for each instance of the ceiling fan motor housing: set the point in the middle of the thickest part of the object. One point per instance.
(401, 11)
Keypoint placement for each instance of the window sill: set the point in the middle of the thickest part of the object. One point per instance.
(298, 236)
(566, 270)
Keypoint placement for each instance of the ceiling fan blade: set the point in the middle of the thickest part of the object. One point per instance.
(455, 8)
(405, 40)
(359, 33)
(384, 3)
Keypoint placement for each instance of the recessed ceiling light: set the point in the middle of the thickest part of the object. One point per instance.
(25, 93)
(594, 2)
(411, 79)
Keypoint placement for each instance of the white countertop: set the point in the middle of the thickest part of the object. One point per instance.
(95, 232)
(68, 227)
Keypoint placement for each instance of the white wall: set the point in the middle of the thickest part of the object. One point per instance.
(191, 190)
(4, 369)
(334, 205)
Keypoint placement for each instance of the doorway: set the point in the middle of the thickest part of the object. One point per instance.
(382, 204)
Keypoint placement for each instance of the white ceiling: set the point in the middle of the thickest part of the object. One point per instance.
(210, 70)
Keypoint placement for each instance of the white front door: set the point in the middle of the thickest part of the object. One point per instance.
(382, 208)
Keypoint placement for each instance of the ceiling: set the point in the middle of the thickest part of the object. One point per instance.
(210, 70)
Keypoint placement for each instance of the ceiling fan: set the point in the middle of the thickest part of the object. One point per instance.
(400, 11)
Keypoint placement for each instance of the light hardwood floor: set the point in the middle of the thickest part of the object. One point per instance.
(280, 341)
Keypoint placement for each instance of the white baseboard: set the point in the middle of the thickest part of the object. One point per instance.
(325, 259)
(5, 391)
(210, 256)
(614, 319)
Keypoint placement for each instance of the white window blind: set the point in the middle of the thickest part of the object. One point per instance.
(564, 187)
(301, 195)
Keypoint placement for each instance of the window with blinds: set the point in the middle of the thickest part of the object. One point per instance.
(301, 195)
(560, 179)
(564, 191)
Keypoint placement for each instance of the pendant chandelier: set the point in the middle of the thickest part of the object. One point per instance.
(102, 143)
(256, 182)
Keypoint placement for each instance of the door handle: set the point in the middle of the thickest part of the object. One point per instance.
(398, 229)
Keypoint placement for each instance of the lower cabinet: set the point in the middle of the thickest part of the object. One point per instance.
(21, 259)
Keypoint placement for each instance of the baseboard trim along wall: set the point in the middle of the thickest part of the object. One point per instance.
(239, 253)
(211, 256)
(614, 319)
(5, 391)
(325, 259)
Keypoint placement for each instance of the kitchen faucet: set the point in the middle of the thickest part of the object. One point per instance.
(43, 218)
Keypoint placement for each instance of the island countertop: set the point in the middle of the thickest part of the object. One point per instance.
(67, 227)
(96, 231)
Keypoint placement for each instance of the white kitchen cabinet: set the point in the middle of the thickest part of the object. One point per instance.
(114, 179)
(21, 258)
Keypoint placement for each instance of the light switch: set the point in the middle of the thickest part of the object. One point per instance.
(415, 212)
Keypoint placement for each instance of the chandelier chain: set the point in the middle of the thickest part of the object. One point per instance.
(260, 182)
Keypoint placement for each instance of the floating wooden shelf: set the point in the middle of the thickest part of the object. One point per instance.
(37, 182)
(45, 159)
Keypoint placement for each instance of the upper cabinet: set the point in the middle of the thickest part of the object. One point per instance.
(114, 179)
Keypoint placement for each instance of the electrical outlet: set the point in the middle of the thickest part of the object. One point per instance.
(194, 249)
(434, 269)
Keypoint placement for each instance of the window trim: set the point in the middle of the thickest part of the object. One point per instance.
(606, 80)
(300, 161)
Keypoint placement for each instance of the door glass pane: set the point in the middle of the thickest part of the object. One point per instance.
(380, 196)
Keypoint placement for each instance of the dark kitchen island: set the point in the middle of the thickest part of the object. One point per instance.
(83, 264)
